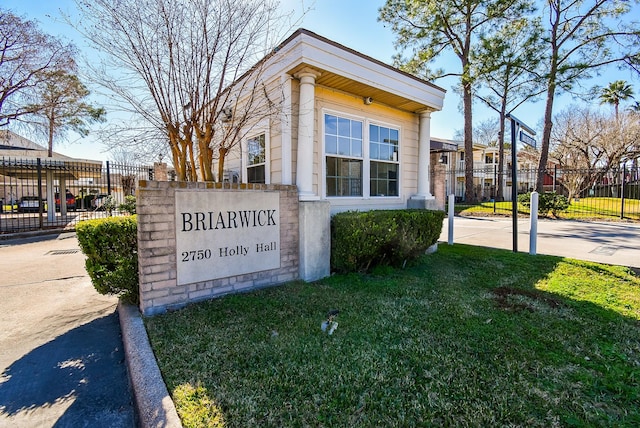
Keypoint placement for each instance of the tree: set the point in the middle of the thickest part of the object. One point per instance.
(434, 26)
(614, 93)
(26, 56)
(61, 107)
(484, 133)
(580, 41)
(507, 60)
(587, 145)
(179, 65)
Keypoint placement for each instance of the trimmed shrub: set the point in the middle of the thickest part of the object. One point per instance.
(111, 247)
(548, 201)
(129, 205)
(361, 241)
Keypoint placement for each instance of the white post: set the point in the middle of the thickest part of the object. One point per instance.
(533, 226)
(424, 157)
(306, 134)
(452, 200)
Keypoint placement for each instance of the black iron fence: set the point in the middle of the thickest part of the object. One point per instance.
(42, 193)
(594, 193)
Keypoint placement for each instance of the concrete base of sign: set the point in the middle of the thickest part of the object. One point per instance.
(425, 204)
(315, 239)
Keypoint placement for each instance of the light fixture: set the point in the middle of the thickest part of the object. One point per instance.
(368, 100)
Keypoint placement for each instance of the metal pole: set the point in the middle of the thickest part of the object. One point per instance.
(452, 201)
(514, 190)
(495, 186)
(108, 179)
(533, 224)
(40, 204)
(624, 174)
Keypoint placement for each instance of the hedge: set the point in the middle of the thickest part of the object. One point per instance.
(111, 247)
(361, 241)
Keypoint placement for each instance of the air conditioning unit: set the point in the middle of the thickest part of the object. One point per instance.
(231, 176)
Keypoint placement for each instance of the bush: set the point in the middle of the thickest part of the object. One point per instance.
(548, 201)
(129, 205)
(361, 241)
(109, 204)
(111, 247)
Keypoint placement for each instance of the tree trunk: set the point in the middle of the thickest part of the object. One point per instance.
(500, 185)
(222, 155)
(469, 191)
(546, 135)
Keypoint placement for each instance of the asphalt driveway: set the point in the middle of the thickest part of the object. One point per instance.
(61, 356)
(616, 243)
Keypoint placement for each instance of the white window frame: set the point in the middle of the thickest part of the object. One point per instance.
(366, 159)
(267, 154)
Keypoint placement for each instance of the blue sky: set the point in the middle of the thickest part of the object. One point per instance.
(352, 23)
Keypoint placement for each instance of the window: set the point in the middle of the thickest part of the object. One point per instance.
(256, 159)
(343, 146)
(352, 171)
(383, 152)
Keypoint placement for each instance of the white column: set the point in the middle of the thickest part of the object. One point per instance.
(306, 133)
(424, 157)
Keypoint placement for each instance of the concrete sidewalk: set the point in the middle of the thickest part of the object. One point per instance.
(602, 242)
(62, 361)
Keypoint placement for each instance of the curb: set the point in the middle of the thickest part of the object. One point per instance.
(154, 407)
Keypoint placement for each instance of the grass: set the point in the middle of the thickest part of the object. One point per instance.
(469, 336)
(580, 209)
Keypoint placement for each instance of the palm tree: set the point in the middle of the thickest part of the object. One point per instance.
(616, 91)
(635, 107)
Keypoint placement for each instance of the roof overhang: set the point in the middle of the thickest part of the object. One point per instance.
(352, 72)
(68, 169)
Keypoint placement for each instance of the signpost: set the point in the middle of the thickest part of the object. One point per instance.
(517, 127)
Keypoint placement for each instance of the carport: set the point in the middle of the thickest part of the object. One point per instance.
(49, 170)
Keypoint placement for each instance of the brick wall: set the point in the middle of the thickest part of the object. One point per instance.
(157, 257)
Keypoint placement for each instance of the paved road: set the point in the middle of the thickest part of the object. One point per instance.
(603, 242)
(61, 357)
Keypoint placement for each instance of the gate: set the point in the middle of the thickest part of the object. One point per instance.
(43, 193)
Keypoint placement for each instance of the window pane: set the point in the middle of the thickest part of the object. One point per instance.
(330, 124)
(344, 146)
(374, 133)
(332, 186)
(344, 177)
(344, 127)
(331, 144)
(384, 135)
(256, 150)
(384, 152)
(356, 129)
(356, 148)
(384, 179)
(374, 151)
(393, 136)
(332, 167)
(256, 174)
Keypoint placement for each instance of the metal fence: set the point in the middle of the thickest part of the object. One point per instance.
(42, 193)
(593, 193)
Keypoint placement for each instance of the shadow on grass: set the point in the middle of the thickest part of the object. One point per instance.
(468, 336)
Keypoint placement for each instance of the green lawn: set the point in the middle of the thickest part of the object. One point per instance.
(580, 209)
(468, 337)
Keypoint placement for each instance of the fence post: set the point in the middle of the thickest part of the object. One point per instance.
(108, 179)
(452, 201)
(624, 175)
(40, 204)
(533, 224)
(495, 186)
